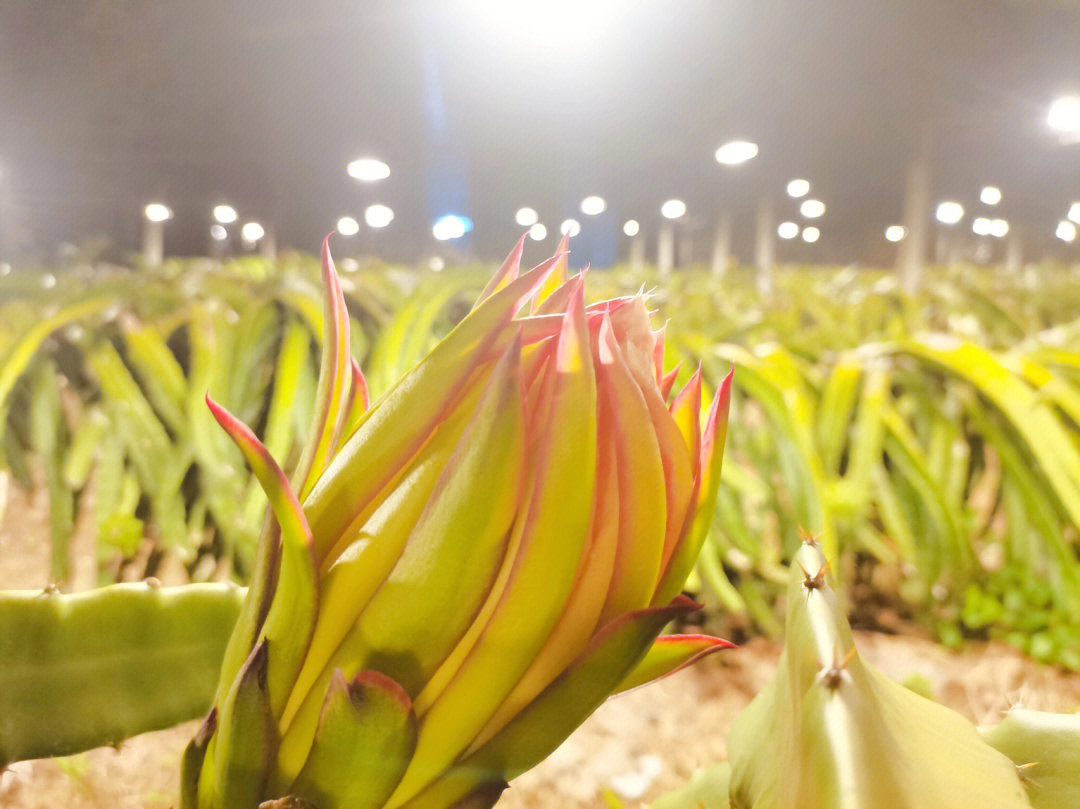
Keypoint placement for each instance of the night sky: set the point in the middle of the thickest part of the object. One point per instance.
(483, 106)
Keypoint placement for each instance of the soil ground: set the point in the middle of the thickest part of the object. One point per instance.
(638, 746)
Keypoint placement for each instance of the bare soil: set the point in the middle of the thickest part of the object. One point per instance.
(638, 745)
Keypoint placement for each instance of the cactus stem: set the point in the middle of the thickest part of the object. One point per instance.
(835, 674)
(1022, 770)
(817, 581)
(50, 589)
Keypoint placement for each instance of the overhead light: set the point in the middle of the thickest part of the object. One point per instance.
(368, 169)
(378, 215)
(1074, 212)
(347, 226)
(526, 217)
(673, 209)
(451, 226)
(1064, 115)
(1066, 231)
(631, 227)
(570, 227)
(157, 212)
(999, 228)
(798, 188)
(990, 195)
(787, 230)
(735, 152)
(538, 232)
(436, 264)
(980, 226)
(218, 233)
(811, 234)
(591, 206)
(949, 212)
(812, 208)
(251, 232)
(895, 233)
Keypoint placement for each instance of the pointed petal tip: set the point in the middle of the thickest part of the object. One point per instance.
(376, 680)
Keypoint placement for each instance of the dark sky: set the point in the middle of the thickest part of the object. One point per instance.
(482, 106)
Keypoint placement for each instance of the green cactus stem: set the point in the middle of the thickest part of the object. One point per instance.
(82, 670)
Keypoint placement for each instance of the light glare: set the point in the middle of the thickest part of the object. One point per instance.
(798, 188)
(368, 169)
(1064, 115)
(999, 228)
(450, 227)
(811, 234)
(538, 232)
(895, 233)
(251, 232)
(218, 233)
(949, 212)
(736, 152)
(981, 226)
(1066, 231)
(673, 209)
(990, 195)
(378, 215)
(812, 208)
(591, 206)
(526, 217)
(787, 230)
(224, 214)
(570, 227)
(631, 227)
(157, 212)
(1074, 212)
(347, 226)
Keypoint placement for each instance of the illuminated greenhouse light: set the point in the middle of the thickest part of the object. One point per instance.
(1074, 213)
(798, 188)
(895, 233)
(378, 215)
(812, 208)
(526, 217)
(736, 152)
(451, 226)
(631, 227)
(811, 234)
(999, 228)
(157, 212)
(251, 232)
(538, 232)
(787, 230)
(949, 212)
(218, 233)
(980, 226)
(224, 214)
(673, 209)
(591, 206)
(570, 227)
(1066, 231)
(368, 169)
(990, 195)
(347, 226)
(436, 264)
(1064, 115)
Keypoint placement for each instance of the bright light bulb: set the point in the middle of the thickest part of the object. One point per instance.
(591, 206)
(1074, 212)
(980, 226)
(990, 195)
(673, 209)
(570, 227)
(999, 228)
(218, 233)
(812, 208)
(251, 232)
(368, 169)
(895, 233)
(811, 234)
(787, 230)
(798, 188)
(1064, 115)
(538, 232)
(450, 227)
(949, 212)
(157, 212)
(526, 217)
(224, 214)
(436, 264)
(736, 152)
(378, 215)
(1066, 231)
(347, 226)
(631, 227)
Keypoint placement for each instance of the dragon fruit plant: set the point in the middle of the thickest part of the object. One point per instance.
(456, 577)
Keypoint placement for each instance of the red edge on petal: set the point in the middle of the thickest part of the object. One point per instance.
(697, 647)
(668, 381)
(716, 424)
(507, 272)
(376, 680)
